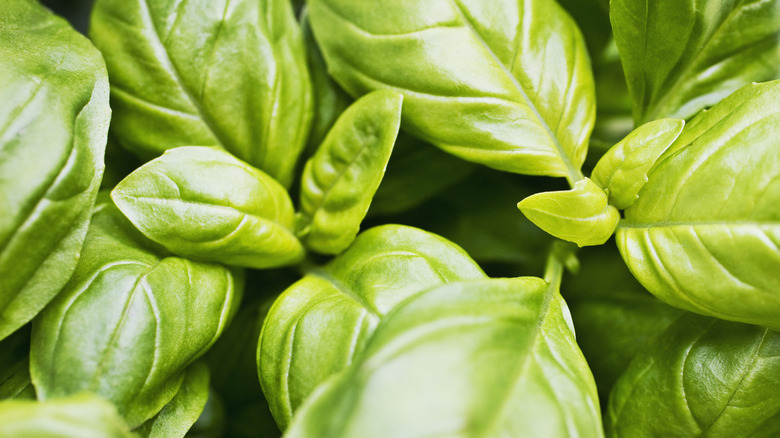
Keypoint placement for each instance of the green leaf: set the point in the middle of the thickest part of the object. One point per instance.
(15, 366)
(622, 171)
(230, 74)
(53, 125)
(510, 89)
(715, 378)
(129, 321)
(204, 204)
(683, 56)
(178, 416)
(469, 359)
(316, 326)
(82, 415)
(341, 178)
(580, 215)
(704, 233)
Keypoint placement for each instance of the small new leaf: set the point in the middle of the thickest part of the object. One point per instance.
(341, 178)
(581, 215)
(622, 171)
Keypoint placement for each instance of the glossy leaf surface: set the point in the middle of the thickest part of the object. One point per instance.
(155, 314)
(341, 178)
(704, 233)
(506, 84)
(204, 204)
(581, 215)
(469, 359)
(318, 324)
(82, 415)
(53, 124)
(178, 416)
(207, 73)
(683, 56)
(622, 171)
(716, 379)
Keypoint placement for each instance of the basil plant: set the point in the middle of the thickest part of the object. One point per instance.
(390, 218)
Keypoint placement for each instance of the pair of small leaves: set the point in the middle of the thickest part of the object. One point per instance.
(588, 213)
(683, 56)
(230, 74)
(130, 320)
(491, 357)
(204, 204)
(512, 90)
(53, 126)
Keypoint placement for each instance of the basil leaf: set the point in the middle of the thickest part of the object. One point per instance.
(622, 171)
(155, 315)
(683, 56)
(178, 416)
(341, 178)
(345, 300)
(715, 378)
(581, 215)
(512, 90)
(704, 233)
(15, 382)
(204, 204)
(83, 415)
(469, 359)
(207, 74)
(53, 125)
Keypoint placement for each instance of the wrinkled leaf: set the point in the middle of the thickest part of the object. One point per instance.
(230, 74)
(715, 378)
(204, 204)
(176, 418)
(506, 84)
(469, 359)
(129, 321)
(341, 178)
(581, 215)
(53, 126)
(622, 171)
(683, 56)
(82, 415)
(704, 233)
(343, 302)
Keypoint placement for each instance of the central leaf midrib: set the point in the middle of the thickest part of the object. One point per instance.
(573, 174)
(339, 286)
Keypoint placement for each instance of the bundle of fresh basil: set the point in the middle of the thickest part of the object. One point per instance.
(350, 218)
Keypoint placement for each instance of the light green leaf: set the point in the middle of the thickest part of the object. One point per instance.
(204, 204)
(469, 359)
(207, 73)
(715, 378)
(506, 84)
(622, 171)
(341, 178)
(129, 321)
(683, 56)
(580, 215)
(178, 416)
(316, 326)
(53, 125)
(82, 415)
(704, 233)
